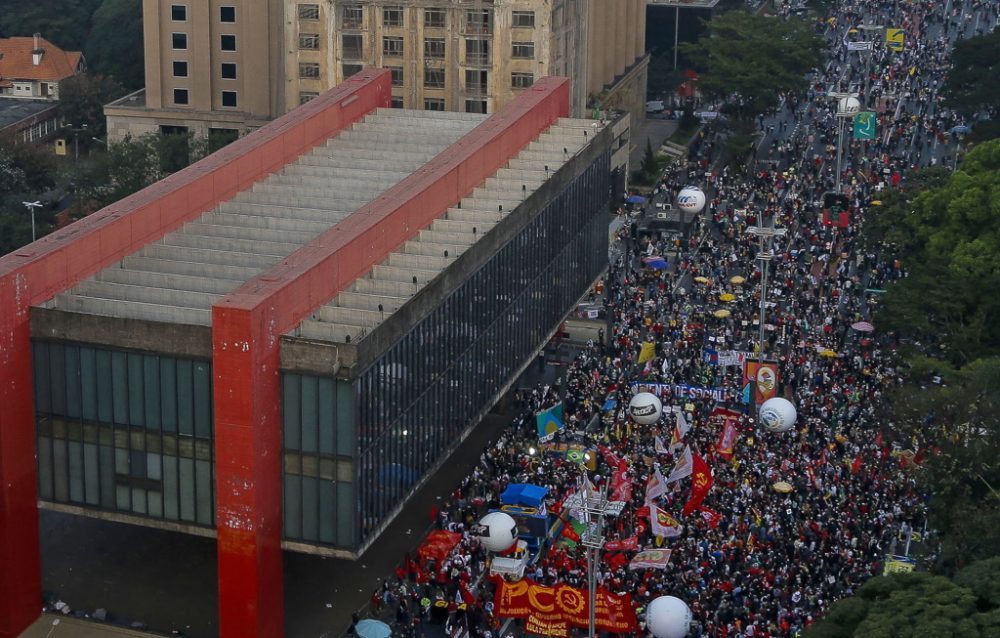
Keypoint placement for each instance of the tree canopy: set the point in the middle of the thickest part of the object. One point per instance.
(114, 46)
(62, 22)
(749, 60)
(971, 85)
(82, 99)
(947, 237)
(916, 605)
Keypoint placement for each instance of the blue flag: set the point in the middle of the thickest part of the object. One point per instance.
(549, 422)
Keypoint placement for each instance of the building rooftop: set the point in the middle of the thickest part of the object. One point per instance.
(13, 110)
(178, 278)
(16, 61)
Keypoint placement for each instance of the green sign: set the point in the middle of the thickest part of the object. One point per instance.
(864, 125)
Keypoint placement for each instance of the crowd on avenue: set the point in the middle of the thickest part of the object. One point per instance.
(749, 560)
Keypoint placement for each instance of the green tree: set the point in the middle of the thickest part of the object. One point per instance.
(26, 172)
(82, 99)
(749, 60)
(114, 46)
(946, 236)
(62, 22)
(971, 85)
(650, 166)
(916, 605)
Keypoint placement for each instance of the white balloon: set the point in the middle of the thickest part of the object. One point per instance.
(668, 617)
(777, 415)
(645, 408)
(691, 199)
(848, 105)
(501, 531)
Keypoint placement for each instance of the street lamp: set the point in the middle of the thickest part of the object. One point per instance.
(76, 138)
(31, 206)
(847, 107)
(594, 508)
(764, 255)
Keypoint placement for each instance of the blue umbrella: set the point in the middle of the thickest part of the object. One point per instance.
(369, 628)
(636, 199)
(960, 129)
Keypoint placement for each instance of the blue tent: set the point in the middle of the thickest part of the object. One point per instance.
(524, 494)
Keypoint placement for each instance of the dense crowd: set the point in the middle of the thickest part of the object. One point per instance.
(771, 562)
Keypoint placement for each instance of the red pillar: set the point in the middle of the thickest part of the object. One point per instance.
(247, 399)
(20, 553)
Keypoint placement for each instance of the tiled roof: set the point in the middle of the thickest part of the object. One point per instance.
(15, 60)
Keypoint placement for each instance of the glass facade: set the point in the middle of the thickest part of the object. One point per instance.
(131, 432)
(318, 441)
(418, 397)
(125, 431)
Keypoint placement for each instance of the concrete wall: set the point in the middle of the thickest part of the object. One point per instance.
(39, 271)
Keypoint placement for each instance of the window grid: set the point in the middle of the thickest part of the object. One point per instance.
(434, 18)
(523, 19)
(433, 78)
(352, 17)
(309, 70)
(434, 48)
(392, 46)
(309, 41)
(523, 50)
(308, 12)
(392, 16)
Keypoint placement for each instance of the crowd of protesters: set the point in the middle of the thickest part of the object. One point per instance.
(751, 560)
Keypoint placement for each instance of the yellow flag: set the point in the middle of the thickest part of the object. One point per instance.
(648, 352)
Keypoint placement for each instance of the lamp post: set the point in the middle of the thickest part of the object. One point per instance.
(594, 507)
(31, 206)
(847, 107)
(764, 255)
(76, 130)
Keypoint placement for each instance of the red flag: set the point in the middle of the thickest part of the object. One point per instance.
(727, 438)
(626, 544)
(621, 484)
(642, 512)
(701, 482)
(568, 532)
(610, 457)
(711, 517)
(856, 465)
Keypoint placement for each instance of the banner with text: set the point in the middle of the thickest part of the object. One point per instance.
(555, 607)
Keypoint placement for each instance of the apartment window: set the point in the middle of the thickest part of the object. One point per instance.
(227, 42)
(475, 106)
(397, 75)
(476, 81)
(309, 41)
(434, 48)
(228, 71)
(434, 18)
(305, 96)
(180, 96)
(396, 102)
(229, 99)
(178, 13)
(392, 46)
(352, 17)
(227, 14)
(478, 21)
(521, 80)
(308, 70)
(179, 41)
(308, 12)
(433, 104)
(477, 51)
(523, 50)
(523, 19)
(353, 46)
(351, 69)
(433, 78)
(392, 17)
(180, 69)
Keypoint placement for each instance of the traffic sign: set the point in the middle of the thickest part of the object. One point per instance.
(894, 39)
(864, 125)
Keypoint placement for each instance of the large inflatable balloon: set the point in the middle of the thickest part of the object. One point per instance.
(501, 531)
(668, 617)
(691, 199)
(777, 415)
(645, 408)
(848, 105)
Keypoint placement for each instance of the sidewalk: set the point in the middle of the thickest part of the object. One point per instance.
(57, 626)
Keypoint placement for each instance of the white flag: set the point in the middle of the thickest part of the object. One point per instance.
(683, 468)
(655, 486)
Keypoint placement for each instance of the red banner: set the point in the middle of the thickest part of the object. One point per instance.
(562, 605)
(438, 545)
(764, 376)
(727, 438)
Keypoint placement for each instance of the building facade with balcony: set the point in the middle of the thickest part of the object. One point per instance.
(456, 55)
